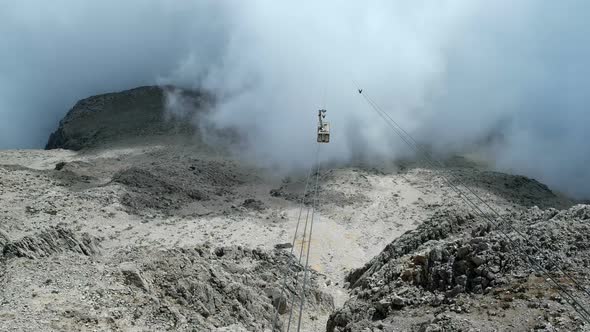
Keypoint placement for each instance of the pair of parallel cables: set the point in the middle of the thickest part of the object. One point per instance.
(305, 238)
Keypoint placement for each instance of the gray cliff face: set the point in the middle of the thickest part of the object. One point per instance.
(127, 115)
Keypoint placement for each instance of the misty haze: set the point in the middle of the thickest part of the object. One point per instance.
(309, 166)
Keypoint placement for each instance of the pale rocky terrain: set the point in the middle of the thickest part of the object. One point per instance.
(458, 272)
(129, 231)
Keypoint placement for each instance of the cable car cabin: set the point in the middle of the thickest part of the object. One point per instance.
(323, 128)
(324, 132)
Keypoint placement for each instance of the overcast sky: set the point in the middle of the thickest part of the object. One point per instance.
(454, 73)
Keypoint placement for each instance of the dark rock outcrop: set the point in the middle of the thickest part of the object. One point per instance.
(167, 188)
(254, 204)
(51, 241)
(4, 239)
(133, 114)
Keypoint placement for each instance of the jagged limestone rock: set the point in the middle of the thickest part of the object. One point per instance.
(53, 240)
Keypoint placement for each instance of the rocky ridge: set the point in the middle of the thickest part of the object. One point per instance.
(53, 240)
(127, 116)
(455, 263)
(185, 289)
(206, 288)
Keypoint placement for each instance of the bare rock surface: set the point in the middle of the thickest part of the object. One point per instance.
(125, 116)
(206, 288)
(469, 275)
(54, 240)
(199, 288)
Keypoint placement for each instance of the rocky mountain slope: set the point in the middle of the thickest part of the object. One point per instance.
(146, 227)
(67, 286)
(458, 273)
(127, 116)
